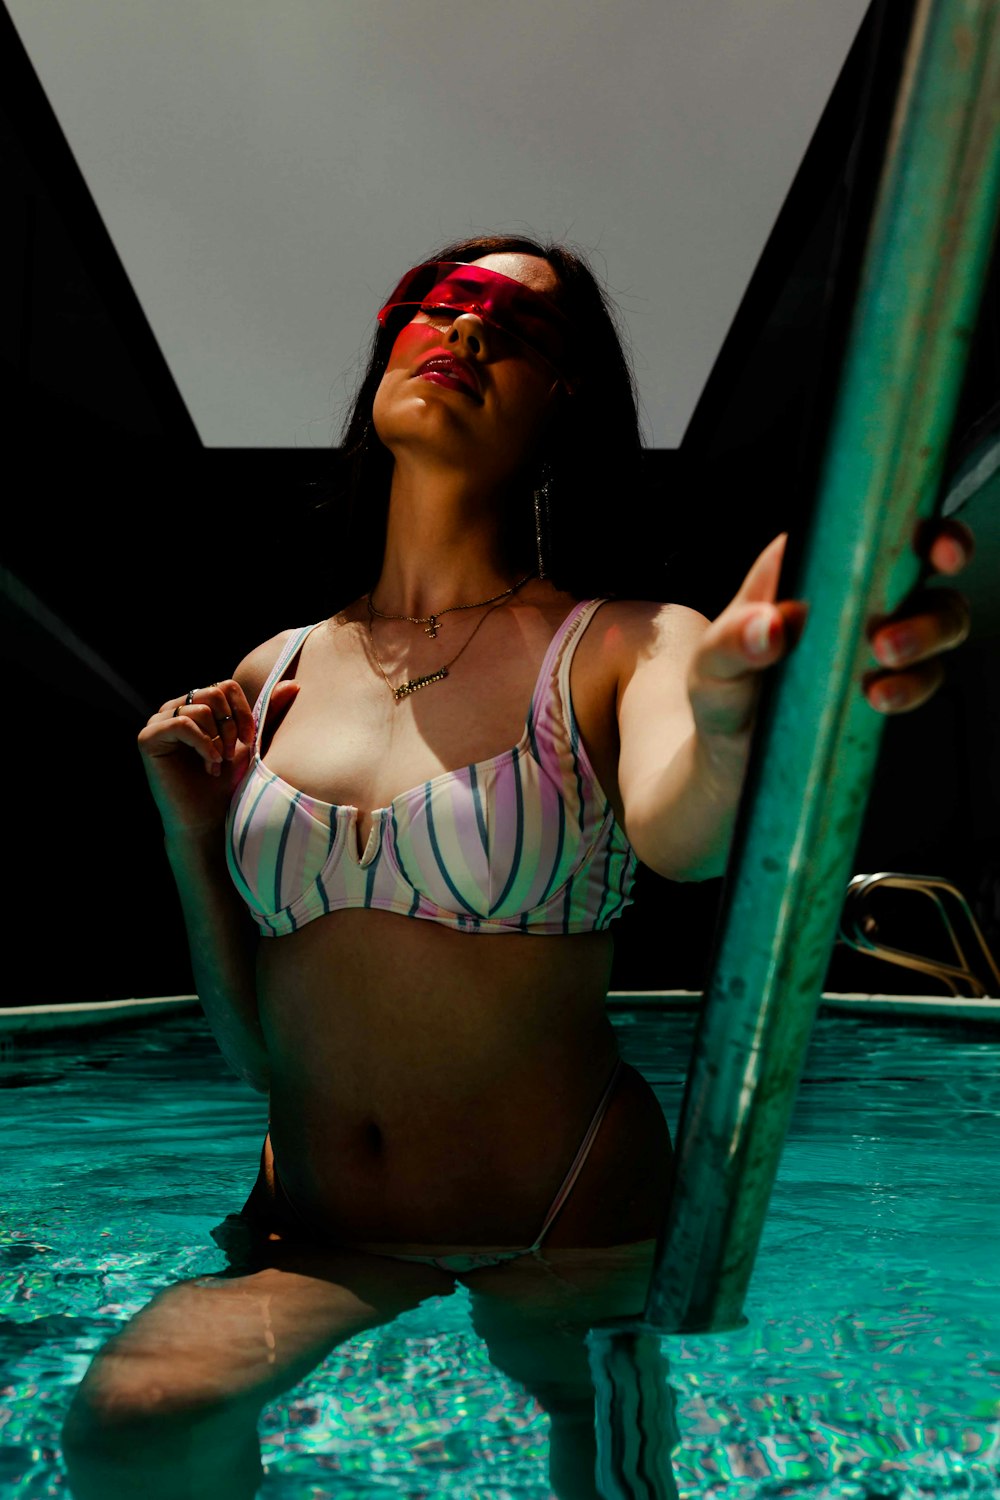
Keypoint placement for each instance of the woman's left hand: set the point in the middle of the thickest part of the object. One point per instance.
(755, 631)
(680, 791)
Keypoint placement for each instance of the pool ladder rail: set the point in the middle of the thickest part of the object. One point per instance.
(975, 968)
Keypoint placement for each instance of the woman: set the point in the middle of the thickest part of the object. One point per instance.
(412, 959)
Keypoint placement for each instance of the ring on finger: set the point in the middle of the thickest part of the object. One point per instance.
(190, 695)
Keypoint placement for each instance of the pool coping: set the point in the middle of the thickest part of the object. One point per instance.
(75, 1016)
(958, 1007)
(18, 1019)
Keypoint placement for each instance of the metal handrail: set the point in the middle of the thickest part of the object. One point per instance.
(855, 933)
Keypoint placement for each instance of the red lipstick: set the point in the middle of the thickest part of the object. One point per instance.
(453, 373)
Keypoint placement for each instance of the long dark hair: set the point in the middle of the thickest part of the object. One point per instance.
(592, 449)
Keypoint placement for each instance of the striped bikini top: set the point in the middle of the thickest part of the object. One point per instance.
(524, 842)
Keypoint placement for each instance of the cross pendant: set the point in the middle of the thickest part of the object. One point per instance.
(431, 628)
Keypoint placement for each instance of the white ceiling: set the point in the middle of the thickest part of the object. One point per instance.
(267, 172)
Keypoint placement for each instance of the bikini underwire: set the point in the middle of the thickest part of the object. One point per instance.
(524, 842)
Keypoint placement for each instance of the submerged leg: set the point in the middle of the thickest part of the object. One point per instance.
(535, 1317)
(169, 1406)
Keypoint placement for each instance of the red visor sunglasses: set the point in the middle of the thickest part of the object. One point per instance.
(453, 287)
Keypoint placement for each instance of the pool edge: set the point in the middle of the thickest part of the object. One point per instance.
(20, 1019)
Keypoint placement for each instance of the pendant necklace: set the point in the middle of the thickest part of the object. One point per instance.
(414, 684)
(431, 621)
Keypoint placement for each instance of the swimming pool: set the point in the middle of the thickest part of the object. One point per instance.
(869, 1364)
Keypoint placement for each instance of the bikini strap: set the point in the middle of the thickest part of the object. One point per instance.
(581, 1156)
(553, 722)
(573, 639)
(288, 650)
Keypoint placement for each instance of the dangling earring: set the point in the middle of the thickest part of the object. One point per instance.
(543, 493)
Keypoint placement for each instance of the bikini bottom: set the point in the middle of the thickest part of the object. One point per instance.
(456, 1259)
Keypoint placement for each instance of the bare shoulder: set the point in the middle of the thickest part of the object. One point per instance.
(633, 631)
(255, 668)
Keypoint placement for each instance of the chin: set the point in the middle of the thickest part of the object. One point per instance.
(424, 417)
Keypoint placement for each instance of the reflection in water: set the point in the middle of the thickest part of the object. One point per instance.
(863, 1404)
(635, 1414)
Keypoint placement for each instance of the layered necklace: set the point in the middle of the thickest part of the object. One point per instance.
(414, 684)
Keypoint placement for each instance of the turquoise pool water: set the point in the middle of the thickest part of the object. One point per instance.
(869, 1364)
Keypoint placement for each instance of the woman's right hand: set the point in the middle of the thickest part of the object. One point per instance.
(195, 754)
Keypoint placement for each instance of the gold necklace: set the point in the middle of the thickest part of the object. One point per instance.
(431, 621)
(415, 684)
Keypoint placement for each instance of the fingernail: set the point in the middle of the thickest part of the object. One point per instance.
(888, 697)
(759, 633)
(952, 554)
(896, 646)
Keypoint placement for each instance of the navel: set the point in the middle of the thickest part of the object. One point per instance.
(372, 1137)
